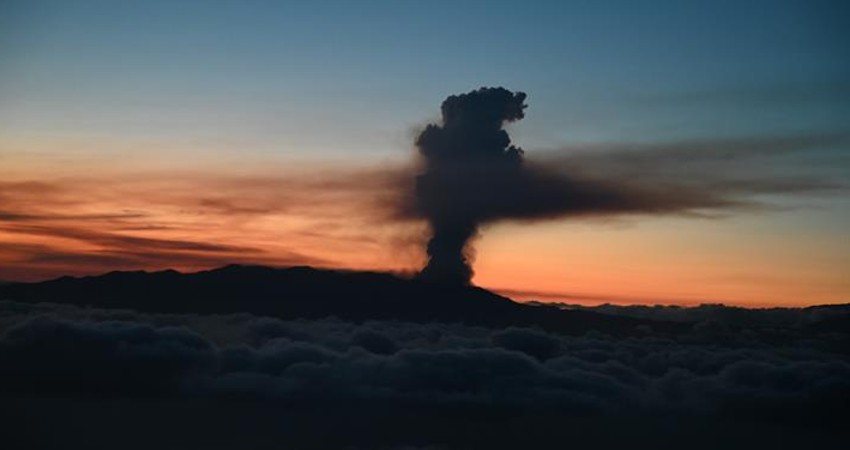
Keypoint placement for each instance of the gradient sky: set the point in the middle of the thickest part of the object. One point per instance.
(189, 134)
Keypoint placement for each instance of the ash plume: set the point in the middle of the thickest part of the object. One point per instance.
(472, 176)
(462, 156)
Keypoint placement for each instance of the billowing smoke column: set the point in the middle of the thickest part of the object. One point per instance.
(473, 176)
(463, 157)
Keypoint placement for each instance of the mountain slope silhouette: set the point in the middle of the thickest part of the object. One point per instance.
(305, 292)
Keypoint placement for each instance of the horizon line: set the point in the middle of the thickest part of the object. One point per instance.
(516, 295)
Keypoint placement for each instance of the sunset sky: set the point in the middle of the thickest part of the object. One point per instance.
(162, 134)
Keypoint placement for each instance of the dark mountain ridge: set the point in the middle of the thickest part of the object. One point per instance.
(305, 292)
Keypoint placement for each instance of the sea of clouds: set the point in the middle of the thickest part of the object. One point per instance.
(51, 349)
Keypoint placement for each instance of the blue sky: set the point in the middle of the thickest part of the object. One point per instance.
(338, 77)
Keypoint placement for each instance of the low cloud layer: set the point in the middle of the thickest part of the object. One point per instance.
(769, 374)
(723, 315)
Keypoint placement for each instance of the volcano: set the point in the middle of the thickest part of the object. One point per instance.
(310, 293)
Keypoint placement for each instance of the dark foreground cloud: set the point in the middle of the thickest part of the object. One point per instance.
(722, 314)
(95, 378)
(755, 373)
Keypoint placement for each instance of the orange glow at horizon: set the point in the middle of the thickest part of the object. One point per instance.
(661, 261)
(89, 217)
